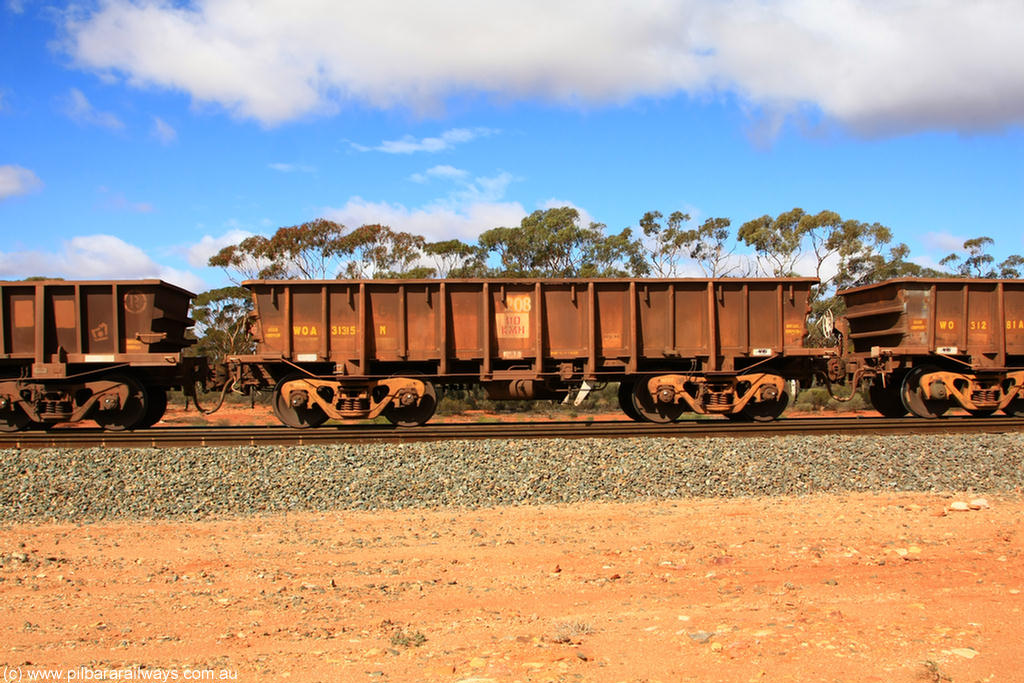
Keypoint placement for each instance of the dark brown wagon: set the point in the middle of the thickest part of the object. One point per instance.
(106, 351)
(926, 345)
(357, 349)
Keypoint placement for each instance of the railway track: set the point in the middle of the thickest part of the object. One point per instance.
(263, 435)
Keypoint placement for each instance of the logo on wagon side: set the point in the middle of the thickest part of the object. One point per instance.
(135, 302)
(100, 333)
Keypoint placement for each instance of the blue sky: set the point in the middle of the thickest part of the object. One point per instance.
(136, 138)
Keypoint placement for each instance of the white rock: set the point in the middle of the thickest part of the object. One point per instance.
(959, 505)
(978, 504)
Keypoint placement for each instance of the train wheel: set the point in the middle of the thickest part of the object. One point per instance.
(296, 417)
(650, 410)
(157, 406)
(766, 411)
(14, 419)
(913, 395)
(131, 414)
(887, 400)
(1015, 408)
(416, 414)
(626, 401)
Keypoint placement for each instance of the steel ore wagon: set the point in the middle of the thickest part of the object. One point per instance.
(357, 349)
(101, 350)
(926, 345)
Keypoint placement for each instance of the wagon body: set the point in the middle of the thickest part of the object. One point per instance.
(484, 328)
(58, 323)
(523, 338)
(71, 348)
(981, 320)
(939, 342)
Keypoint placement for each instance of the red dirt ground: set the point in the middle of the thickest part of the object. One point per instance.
(822, 588)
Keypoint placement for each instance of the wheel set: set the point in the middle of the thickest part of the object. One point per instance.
(302, 401)
(639, 405)
(922, 392)
(116, 402)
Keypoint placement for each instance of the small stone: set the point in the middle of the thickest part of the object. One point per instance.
(477, 663)
(701, 636)
(716, 647)
(965, 652)
(959, 506)
(978, 504)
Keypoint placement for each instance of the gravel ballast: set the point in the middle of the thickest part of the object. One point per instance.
(104, 483)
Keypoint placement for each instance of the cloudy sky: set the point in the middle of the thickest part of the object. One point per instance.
(137, 137)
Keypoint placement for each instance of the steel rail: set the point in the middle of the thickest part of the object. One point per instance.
(160, 437)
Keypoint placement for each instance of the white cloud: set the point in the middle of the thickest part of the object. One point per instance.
(199, 254)
(80, 110)
(410, 145)
(16, 6)
(586, 218)
(472, 206)
(434, 221)
(16, 180)
(291, 168)
(943, 241)
(116, 201)
(94, 257)
(929, 261)
(876, 66)
(443, 172)
(163, 131)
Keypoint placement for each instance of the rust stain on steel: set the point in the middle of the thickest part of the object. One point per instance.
(982, 319)
(530, 328)
(54, 322)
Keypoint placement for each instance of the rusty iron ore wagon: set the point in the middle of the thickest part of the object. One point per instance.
(358, 349)
(926, 345)
(107, 351)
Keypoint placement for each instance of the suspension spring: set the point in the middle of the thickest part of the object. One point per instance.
(720, 398)
(984, 396)
(352, 404)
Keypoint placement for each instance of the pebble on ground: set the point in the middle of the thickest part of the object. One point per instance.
(194, 483)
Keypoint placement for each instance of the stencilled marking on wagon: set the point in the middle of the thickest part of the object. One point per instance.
(514, 321)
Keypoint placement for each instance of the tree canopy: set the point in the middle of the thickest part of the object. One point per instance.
(556, 242)
(220, 316)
